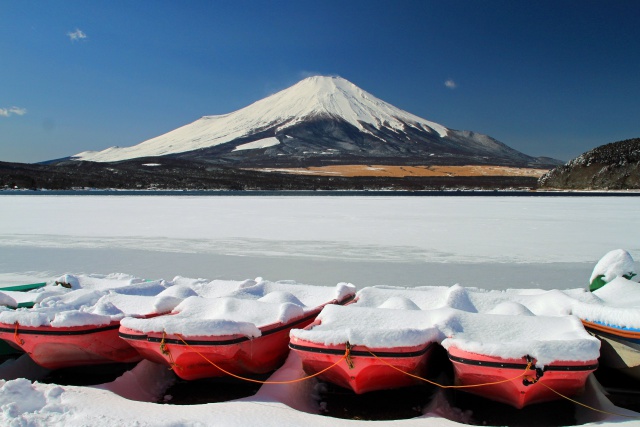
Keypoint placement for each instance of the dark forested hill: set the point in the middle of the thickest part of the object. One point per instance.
(614, 166)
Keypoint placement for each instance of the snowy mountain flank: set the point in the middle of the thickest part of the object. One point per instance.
(321, 121)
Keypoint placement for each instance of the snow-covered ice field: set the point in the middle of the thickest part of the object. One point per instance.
(490, 242)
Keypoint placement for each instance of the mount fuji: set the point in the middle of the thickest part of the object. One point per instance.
(321, 121)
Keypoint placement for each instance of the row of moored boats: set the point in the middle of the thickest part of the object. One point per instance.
(517, 346)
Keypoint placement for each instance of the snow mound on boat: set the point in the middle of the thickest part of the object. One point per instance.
(425, 297)
(614, 264)
(15, 299)
(508, 324)
(7, 300)
(81, 300)
(373, 327)
(197, 316)
(281, 297)
(308, 295)
(545, 338)
(253, 305)
(511, 308)
(399, 303)
(617, 304)
(168, 299)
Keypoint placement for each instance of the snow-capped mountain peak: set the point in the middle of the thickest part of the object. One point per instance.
(335, 97)
(315, 96)
(320, 120)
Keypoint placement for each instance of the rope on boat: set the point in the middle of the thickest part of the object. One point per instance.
(524, 374)
(165, 351)
(16, 338)
(347, 355)
(347, 358)
(587, 406)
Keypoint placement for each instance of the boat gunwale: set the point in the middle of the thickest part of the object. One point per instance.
(615, 331)
(221, 340)
(337, 350)
(61, 330)
(64, 330)
(522, 366)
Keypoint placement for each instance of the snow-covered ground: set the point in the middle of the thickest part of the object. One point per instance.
(492, 242)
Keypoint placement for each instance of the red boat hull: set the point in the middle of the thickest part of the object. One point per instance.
(194, 357)
(364, 372)
(55, 348)
(565, 377)
(235, 354)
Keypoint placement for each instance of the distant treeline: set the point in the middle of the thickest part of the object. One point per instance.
(166, 174)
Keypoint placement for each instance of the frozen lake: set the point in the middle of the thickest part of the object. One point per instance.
(490, 242)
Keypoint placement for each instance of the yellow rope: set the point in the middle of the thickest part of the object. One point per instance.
(498, 382)
(451, 386)
(587, 406)
(165, 351)
(345, 356)
(16, 338)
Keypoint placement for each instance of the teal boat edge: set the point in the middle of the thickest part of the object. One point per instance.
(23, 288)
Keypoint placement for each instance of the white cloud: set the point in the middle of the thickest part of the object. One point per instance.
(18, 111)
(450, 84)
(78, 34)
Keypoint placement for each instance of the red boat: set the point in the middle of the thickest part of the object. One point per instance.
(363, 370)
(202, 356)
(62, 347)
(517, 382)
(92, 340)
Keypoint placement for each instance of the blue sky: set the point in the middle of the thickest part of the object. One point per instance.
(553, 78)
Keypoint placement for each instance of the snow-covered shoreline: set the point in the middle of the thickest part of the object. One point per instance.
(493, 242)
(132, 398)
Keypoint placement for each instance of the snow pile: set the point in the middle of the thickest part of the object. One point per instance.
(15, 299)
(169, 299)
(255, 304)
(97, 300)
(506, 324)
(374, 327)
(88, 300)
(614, 264)
(617, 305)
(23, 398)
(7, 299)
(547, 339)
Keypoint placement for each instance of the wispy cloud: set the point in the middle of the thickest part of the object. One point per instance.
(76, 35)
(450, 84)
(306, 73)
(6, 112)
